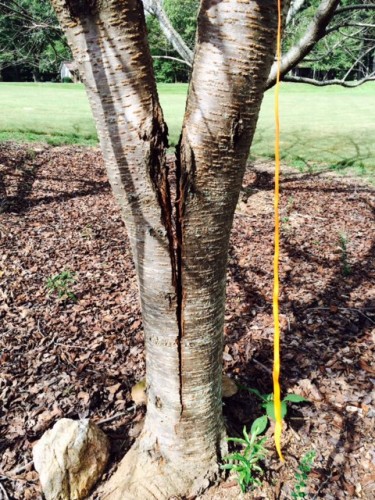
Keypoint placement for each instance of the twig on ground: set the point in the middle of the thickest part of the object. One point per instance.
(308, 216)
(343, 309)
(362, 314)
(12, 475)
(40, 330)
(114, 417)
(296, 435)
(323, 485)
(262, 365)
(21, 468)
(4, 477)
(241, 214)
(72, 346)
(3, 490)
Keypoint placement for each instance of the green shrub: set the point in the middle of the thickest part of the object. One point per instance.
(60, 284)
(246, 462)
(302, 475)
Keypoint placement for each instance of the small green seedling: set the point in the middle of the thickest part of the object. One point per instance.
(60, 284)
(290, 204)
(246, 462)
(302, 475)
(87, 232)
(268, 404)
(343, 245)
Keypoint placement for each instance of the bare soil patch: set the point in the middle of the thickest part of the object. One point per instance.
(60, 358)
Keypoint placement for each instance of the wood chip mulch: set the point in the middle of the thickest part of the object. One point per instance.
(60, 358)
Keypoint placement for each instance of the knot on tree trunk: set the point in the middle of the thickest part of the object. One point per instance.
(78, 8)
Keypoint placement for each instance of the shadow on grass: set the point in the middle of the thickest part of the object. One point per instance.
(265, 182)
(325, 159)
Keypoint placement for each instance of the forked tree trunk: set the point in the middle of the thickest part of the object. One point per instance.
(180, 254)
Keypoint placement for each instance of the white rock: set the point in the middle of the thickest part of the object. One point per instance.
(70, 458)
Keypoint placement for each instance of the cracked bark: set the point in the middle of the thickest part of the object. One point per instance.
(180, 258)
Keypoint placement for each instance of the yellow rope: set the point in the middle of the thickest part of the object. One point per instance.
(276, 352)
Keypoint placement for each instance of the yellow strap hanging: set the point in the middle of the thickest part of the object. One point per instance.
(276, 352)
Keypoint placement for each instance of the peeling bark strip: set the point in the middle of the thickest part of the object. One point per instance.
(181, 263)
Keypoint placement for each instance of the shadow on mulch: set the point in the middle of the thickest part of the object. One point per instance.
(320, 328)
(326, 315)
(22, 170)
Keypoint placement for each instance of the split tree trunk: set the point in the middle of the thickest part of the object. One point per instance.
(180, 255)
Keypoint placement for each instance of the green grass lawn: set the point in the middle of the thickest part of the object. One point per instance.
(329, 126)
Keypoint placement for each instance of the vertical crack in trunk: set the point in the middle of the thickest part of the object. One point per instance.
(185, 172)
(159, 171)
(171, 219)
(179, 208)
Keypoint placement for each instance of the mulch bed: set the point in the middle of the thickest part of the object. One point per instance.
(60, 358)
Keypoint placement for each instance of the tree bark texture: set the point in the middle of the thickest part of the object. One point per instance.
(180, 252)
(234, 51)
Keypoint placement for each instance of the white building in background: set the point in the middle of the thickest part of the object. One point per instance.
(68, 69)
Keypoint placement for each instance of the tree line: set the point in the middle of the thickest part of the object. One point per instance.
(325, 41)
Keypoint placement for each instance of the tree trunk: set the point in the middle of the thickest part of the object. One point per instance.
(180, 255)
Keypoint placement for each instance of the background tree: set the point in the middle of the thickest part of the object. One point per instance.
(32, 44)
(179, 239)
(344, 48)
(337, 36)
(168, 65)
(325, 42)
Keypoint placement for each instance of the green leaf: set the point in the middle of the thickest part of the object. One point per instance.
(270, 409)
(256, 392)
(295, 398)
(237, 468)
(238, 457)
(258, 469)
(259, 425)
(242, 460)
(227, 466)
(237, 440)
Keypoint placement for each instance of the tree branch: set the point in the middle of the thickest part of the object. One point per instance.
(364, 54)
(172, 59)
(349, 25)
(355, 7)
(20, 13)
(318, 83)
(295, 7)
(315, 31)
(27, 17)
(155, 8)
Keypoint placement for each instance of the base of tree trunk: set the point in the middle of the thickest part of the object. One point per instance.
(141, 477)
